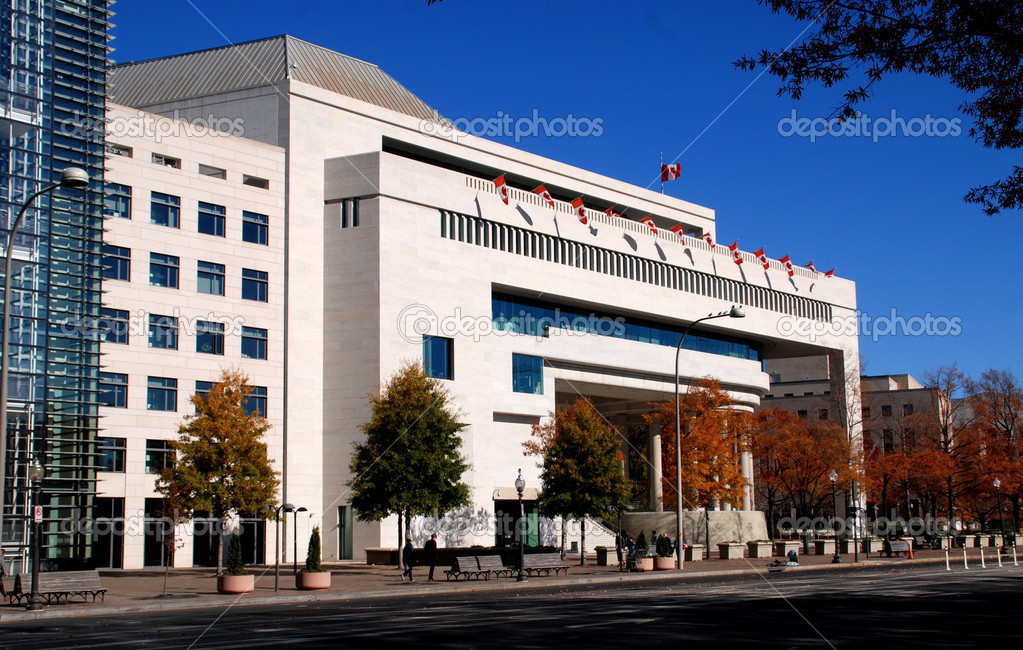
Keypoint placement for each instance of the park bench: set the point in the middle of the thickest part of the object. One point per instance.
(896, 546)
(926, 542)
(58, 586)
(536, 563)
(493, 564)
(468, 567)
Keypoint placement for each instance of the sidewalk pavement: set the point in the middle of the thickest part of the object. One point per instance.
(141, 591)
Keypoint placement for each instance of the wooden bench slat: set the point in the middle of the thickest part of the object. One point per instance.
(59, 586)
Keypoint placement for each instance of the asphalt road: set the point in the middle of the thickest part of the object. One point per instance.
(901, 607)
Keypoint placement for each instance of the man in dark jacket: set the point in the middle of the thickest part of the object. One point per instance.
(430, 551)
(408, 558)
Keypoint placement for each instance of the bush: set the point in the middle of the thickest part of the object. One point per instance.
(312, 556)
(235, 565)
(664, 546)
(641, 543)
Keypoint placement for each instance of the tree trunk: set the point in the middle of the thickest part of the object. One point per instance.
(582, 542)
(401, 546)
(220, 545)
(564, 535)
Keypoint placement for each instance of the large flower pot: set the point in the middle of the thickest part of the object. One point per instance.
(645, 563)
(664, 563)
(980, 541)
(694, 552)
(731, 551)
(759, 549)
(236, 584)
(824, 547)
(782, 548)
(312, 580)
(873, 545)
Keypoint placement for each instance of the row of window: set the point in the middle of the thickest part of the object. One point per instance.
(163, 332)
(520, 241)
(439, 363)
(175, 163)
(113, 450)
(162, 393)
(165, 210)
(164, 271)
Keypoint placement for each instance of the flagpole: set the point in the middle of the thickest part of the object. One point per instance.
(661, 169)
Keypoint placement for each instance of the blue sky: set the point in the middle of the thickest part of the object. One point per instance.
(886, 211)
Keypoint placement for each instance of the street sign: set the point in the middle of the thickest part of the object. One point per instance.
(37, 514)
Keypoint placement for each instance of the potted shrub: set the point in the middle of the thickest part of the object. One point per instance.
(730, 550)
(313, 576)
(759, 548)
(664, 560)
(235, 579)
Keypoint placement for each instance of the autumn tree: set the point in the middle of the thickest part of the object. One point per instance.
(409, 463)
(976, 46)
(997, 401)
(221, 464)
(581, 466)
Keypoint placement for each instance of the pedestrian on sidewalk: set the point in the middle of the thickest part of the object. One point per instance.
(3, 572)
(408, 558)
(430, 551)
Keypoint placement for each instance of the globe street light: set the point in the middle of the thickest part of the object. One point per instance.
(286, 507)
(520, 485)
(36, 474)
(1001, 516)
(72, 178)
(834, 501)
(734, 312)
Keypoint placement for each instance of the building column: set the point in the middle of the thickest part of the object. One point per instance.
(654, 455)
(844, 369)
(746, 461)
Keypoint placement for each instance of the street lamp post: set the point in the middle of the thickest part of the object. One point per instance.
(834, 501)
(286, 507)
(71, 177)
(1001, 516)
(520, 485)
(294, 539)
(36, 473)
(734, 312)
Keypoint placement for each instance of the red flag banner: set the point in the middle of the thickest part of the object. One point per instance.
(707, 238)
(580, 211)
(611, 212)
(810, 266)
(671, 172)
(679, 230)
(502, 188)
(736, 255)
(544, 194)
(829, 274)
(787, 261)
(650, 222)
(762, 258)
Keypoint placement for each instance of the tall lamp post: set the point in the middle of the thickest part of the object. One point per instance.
(286, 507)
(520, 485)
(1001, 516)
(36, 473)
(294, 539)
(734, 312)
(834, 502)
(73, 178)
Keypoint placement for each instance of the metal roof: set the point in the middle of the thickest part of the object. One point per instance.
(254, 64)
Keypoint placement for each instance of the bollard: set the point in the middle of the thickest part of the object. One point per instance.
(966, 564)
(998, 552)
(982, 565)
(1015, 562)
(947, 567)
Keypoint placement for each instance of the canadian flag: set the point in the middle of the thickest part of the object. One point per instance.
(736, 255)
(707, 238)
(502, 188)
(611, 212)
(679, 230)
(580, 211)
(787, 261)
(671, 172)
(810, 266)
(762, 258)
(544, 194)
(650, 223)
(829, 274)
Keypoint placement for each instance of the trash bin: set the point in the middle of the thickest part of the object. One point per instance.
(601, 555)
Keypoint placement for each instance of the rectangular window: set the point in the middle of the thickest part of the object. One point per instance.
(162, 394)
(114, 325)
(255, 403)
(113, 389)
(255, 227)
(254, 181)
(166, 161)
(116, 263)
(209, 337)
(210, 278)
(165, 210)
(527, 374)
(158, 455)
(117, 201)
(254, 285)
(211, 219)
(907, 409)
(886, 410)
(119, 150)
(212, 172)
(350, 213)
(822, 414)
(439, 357)
(801, 414)
(163, 270)
(253, 342)
(201, 388)
(111, 454)
(163, 332)
(866, 412)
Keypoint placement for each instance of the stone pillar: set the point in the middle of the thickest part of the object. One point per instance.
(844, 371)
(654, 455)
(746, 459)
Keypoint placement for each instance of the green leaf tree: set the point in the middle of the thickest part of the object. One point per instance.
(313, 559)
(221, 465)
(410, 462)
(582, 466)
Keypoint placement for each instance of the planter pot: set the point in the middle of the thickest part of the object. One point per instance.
(781, 549)
(759, 549)
(646, 563)
(847, 546)
(980, 541)
(313, 580)
(731, 551)
(694, 552)
(236, 584)
(995, 541)
(873, 545)
(824, 547)
(664, 563)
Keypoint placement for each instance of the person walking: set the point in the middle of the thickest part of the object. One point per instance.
(430, 551)
(408, 558)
